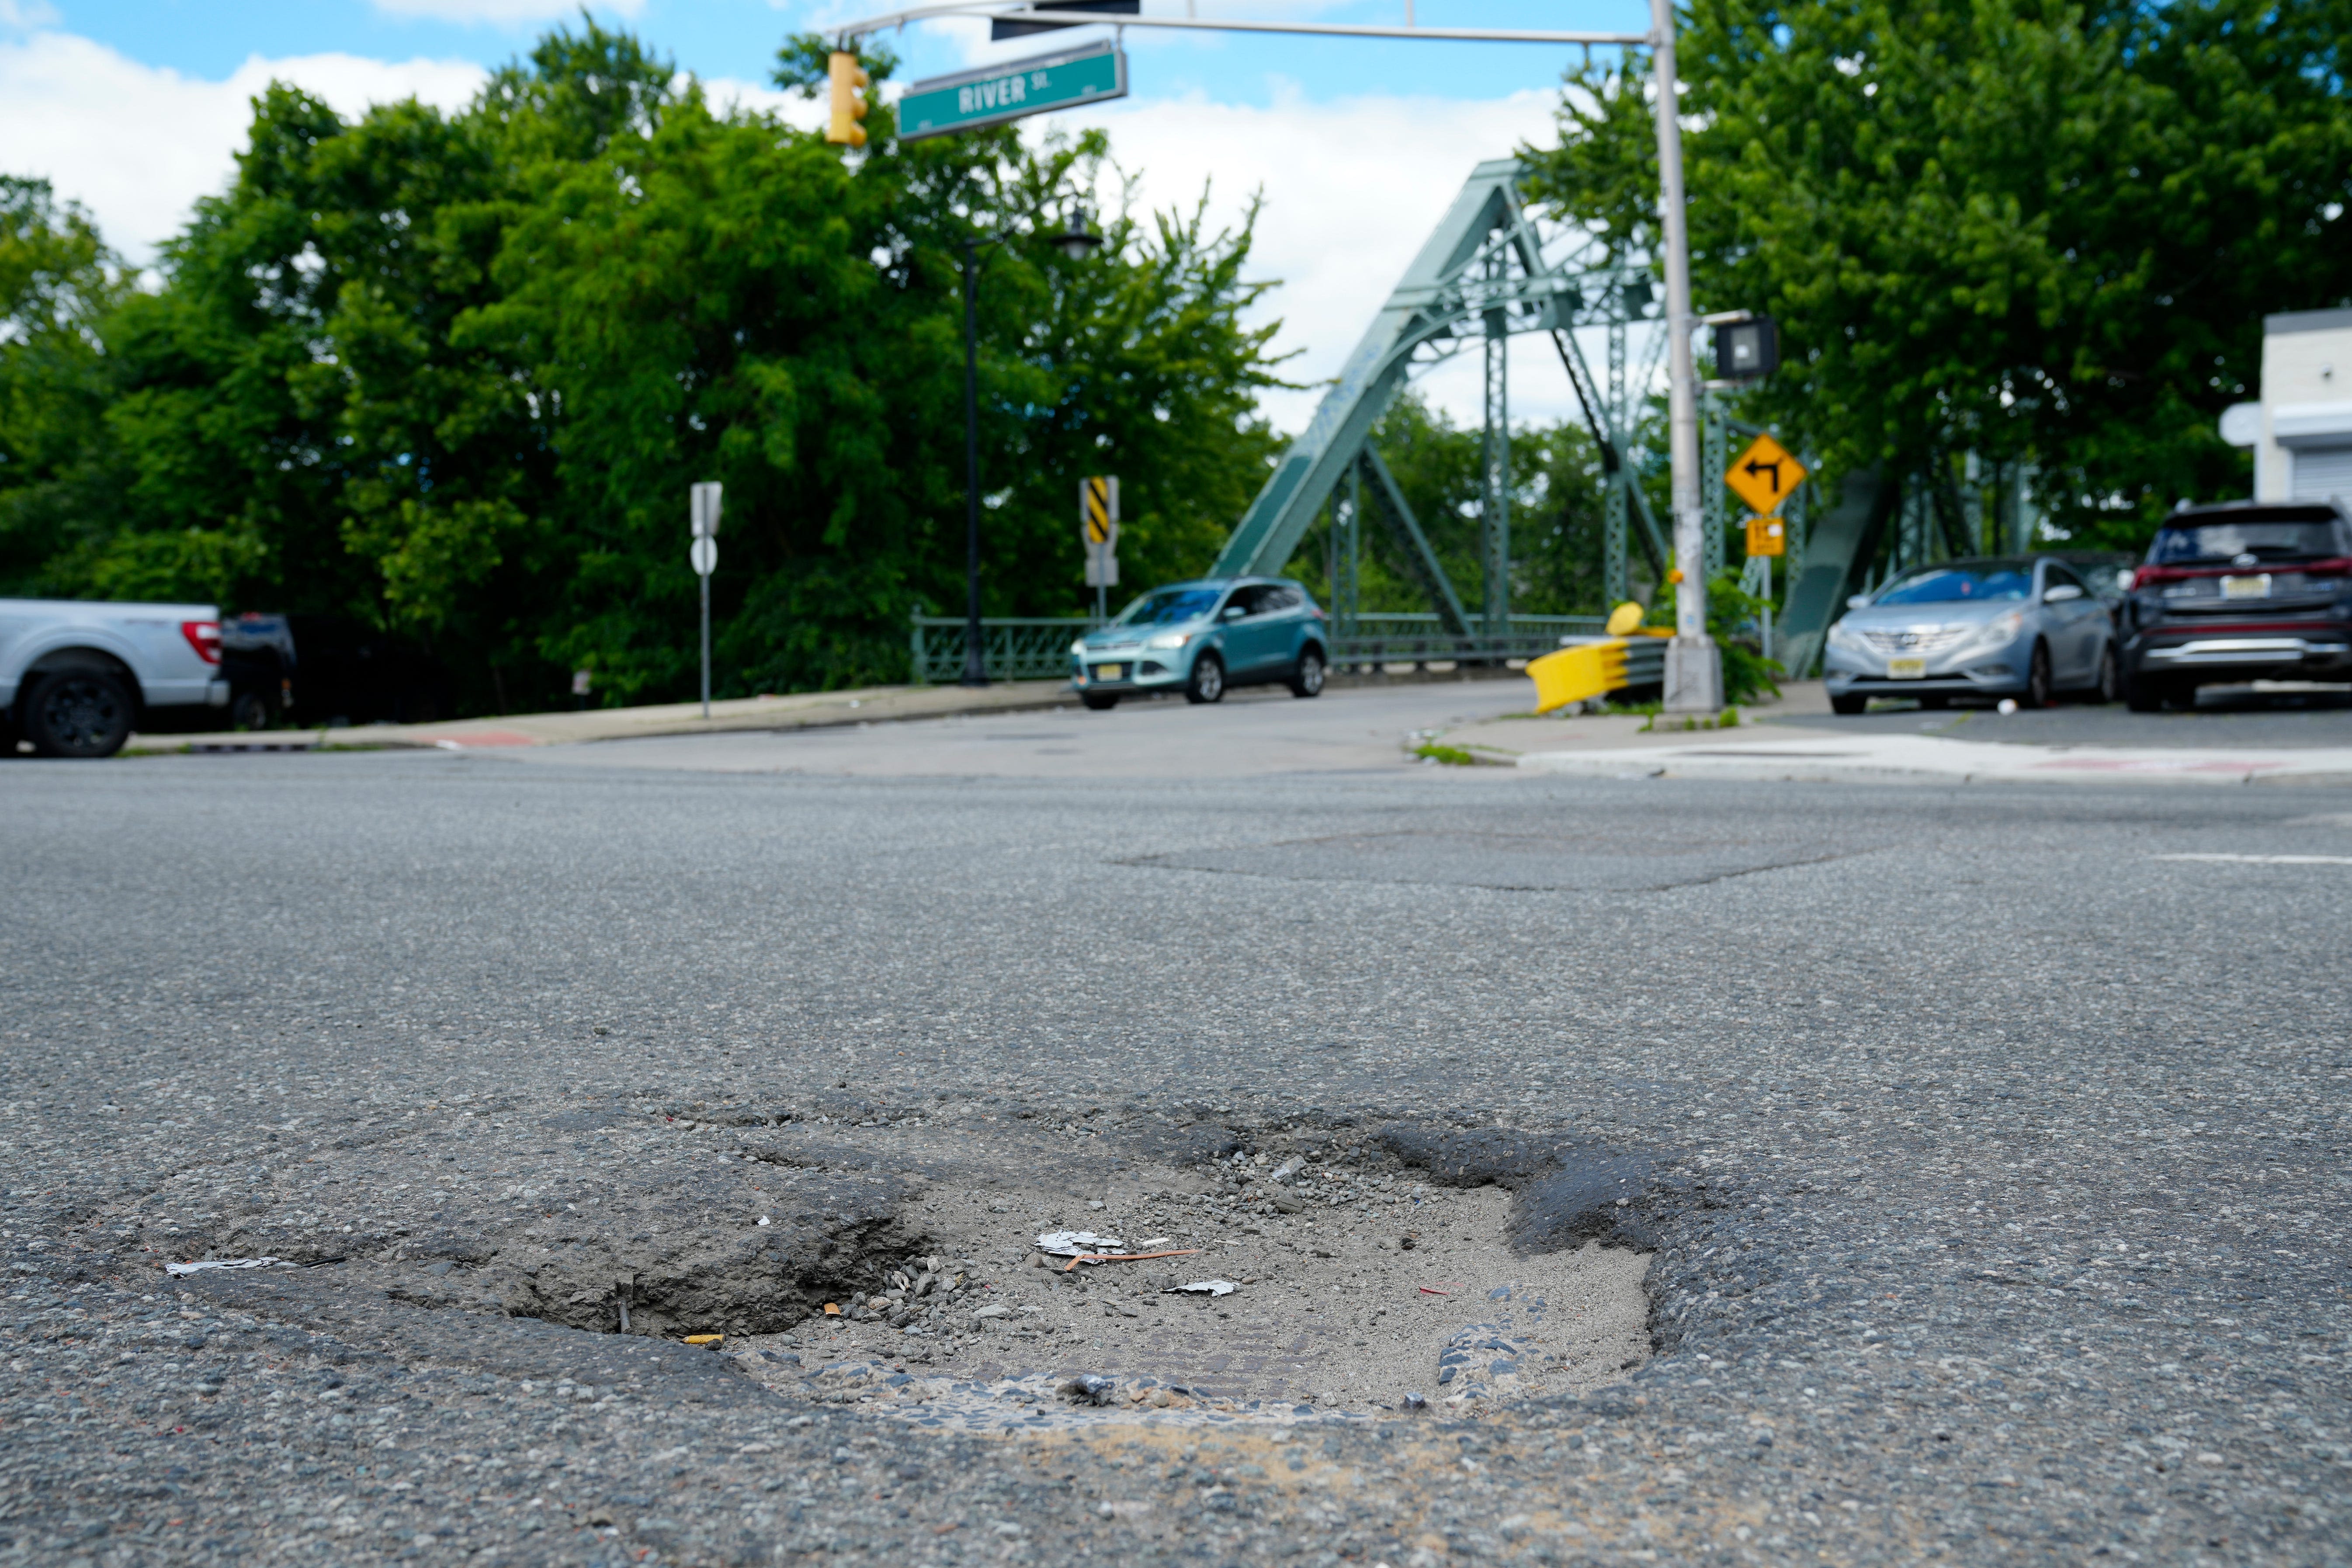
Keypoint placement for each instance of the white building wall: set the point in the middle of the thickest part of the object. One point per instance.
(2307, 406)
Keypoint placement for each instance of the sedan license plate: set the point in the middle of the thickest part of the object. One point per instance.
(1110, 672)
(1907, 669)
(2257, 587)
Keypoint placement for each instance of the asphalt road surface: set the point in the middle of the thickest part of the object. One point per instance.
(1989, 1165)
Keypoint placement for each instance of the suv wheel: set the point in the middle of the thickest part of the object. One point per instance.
(1307, 679)
(1207, 682)
(251, 710)
(1101, 701)
(78, 713)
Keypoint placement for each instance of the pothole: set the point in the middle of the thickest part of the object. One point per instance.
(1372, 1267)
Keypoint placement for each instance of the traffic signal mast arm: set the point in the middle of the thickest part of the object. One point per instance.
(1327, 29)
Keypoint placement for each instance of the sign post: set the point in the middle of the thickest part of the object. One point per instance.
(703, 556)
(1098, 530)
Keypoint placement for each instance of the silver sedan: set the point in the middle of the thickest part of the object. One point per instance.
(2025, 627)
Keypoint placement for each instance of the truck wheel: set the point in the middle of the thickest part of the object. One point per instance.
(78, 713)
(1207, 683)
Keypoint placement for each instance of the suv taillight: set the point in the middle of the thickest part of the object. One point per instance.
(2337, 566)
(204, 637)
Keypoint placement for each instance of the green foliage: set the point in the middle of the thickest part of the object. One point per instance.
(57, 284)
(2034, 230)
(453, 373)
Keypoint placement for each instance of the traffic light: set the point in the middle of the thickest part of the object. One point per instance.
(848, 79)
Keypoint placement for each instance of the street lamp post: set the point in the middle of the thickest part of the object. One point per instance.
(1075, 241)
(975, 666)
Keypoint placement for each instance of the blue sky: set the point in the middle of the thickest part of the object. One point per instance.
(737, 38)
(137, 108)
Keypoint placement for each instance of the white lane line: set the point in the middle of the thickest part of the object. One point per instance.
(2266, 859)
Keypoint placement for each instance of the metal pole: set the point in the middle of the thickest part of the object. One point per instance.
(1694, 674)
(706, 643)
(975, 664)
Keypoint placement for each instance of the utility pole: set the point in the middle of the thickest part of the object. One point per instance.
(1693, 669)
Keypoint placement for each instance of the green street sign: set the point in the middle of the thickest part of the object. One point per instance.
(971, 99)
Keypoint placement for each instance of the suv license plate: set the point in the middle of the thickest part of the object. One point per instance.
(1907, 669)
(1110, 672)
(2246, 587)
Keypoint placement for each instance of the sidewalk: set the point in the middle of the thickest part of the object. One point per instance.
(812, 710)
(1791, 754)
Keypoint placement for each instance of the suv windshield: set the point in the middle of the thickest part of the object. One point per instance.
(1972, 584)
(2264, 539)
(1170, 604)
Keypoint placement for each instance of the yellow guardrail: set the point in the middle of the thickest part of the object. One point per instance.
(1590, 669)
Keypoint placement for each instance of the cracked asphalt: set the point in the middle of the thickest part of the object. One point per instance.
(1990, 1170)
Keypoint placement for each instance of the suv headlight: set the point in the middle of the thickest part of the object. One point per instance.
(1077, 650)
(1171, 639)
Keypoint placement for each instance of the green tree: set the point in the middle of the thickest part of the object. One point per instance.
(57, 284)
(2034, 230)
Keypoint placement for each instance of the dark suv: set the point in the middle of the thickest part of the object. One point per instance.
(2245, 591)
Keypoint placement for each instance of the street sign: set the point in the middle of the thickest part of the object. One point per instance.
(1767, 536)
(703, 502)
(1094, 73)
(703, 553)
(1098, 509)
(1098, 533)
(1765, 475)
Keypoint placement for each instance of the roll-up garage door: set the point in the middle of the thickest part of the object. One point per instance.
(2322, 471)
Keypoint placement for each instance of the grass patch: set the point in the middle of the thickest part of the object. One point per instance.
(1726, 720)
(1452, 756)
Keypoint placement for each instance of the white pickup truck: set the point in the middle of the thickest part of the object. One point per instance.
(76, 677)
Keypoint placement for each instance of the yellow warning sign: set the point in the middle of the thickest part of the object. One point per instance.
(1767, 536)
(1100, 513)
(1765, 475)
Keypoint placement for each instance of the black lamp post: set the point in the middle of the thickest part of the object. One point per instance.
(1075, 241)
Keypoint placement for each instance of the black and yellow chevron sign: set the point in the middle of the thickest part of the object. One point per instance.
(1096, 498)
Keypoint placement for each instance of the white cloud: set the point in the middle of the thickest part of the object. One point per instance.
(1352, 188)
(496, 13)
(137, 144)
(27, 13)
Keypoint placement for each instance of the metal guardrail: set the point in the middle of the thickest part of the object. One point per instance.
(1014, 647)
(1037, 647)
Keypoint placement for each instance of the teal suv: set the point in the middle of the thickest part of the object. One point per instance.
(1202, 638)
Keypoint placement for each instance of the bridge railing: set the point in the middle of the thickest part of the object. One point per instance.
(1422, 639)
(1014, 647)
(1037, 647)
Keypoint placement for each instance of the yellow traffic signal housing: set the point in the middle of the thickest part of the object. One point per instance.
(847, 80)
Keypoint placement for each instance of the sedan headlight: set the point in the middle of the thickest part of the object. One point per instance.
(1845, 637)
(1171, 639)
(1998, 632)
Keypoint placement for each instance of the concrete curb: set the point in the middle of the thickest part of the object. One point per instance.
(806, 711)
